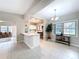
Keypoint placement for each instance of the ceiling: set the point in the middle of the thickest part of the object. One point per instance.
(15, 6)
(22, 7)
(43, 9)
(63, 7)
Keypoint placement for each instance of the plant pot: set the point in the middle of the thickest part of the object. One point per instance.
(49, 35)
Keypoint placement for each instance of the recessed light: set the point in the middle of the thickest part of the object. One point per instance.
(2, 21)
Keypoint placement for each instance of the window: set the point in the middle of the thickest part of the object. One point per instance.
(9, 29)
(3, 28)
(69, 28)
(58, 28)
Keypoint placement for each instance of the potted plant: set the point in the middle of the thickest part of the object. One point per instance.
(49, 31)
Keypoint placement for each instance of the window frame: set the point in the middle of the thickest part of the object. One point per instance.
(58, 28)
(76, 29)
(4, 31)
(69, 28)
(7, 28)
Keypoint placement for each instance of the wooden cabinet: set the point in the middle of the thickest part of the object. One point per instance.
(63, 39)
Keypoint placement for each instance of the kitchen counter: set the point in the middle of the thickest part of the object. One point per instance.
(31, 39)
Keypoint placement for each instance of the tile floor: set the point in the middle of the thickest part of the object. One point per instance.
(46, 50)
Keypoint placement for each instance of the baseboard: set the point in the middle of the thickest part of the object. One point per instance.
(76, 45)
(19, 41)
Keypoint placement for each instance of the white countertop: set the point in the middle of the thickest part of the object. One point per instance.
(30, 34)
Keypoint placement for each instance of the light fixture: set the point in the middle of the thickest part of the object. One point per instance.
(54, 18)
(36, 21)
(2, 21)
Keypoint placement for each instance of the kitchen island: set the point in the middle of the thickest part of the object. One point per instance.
(31, 39)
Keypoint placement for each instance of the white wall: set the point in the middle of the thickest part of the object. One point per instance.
(72, 17)
(13, 19)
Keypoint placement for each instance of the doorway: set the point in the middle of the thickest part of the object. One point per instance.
(38, 26)
(7, 33)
